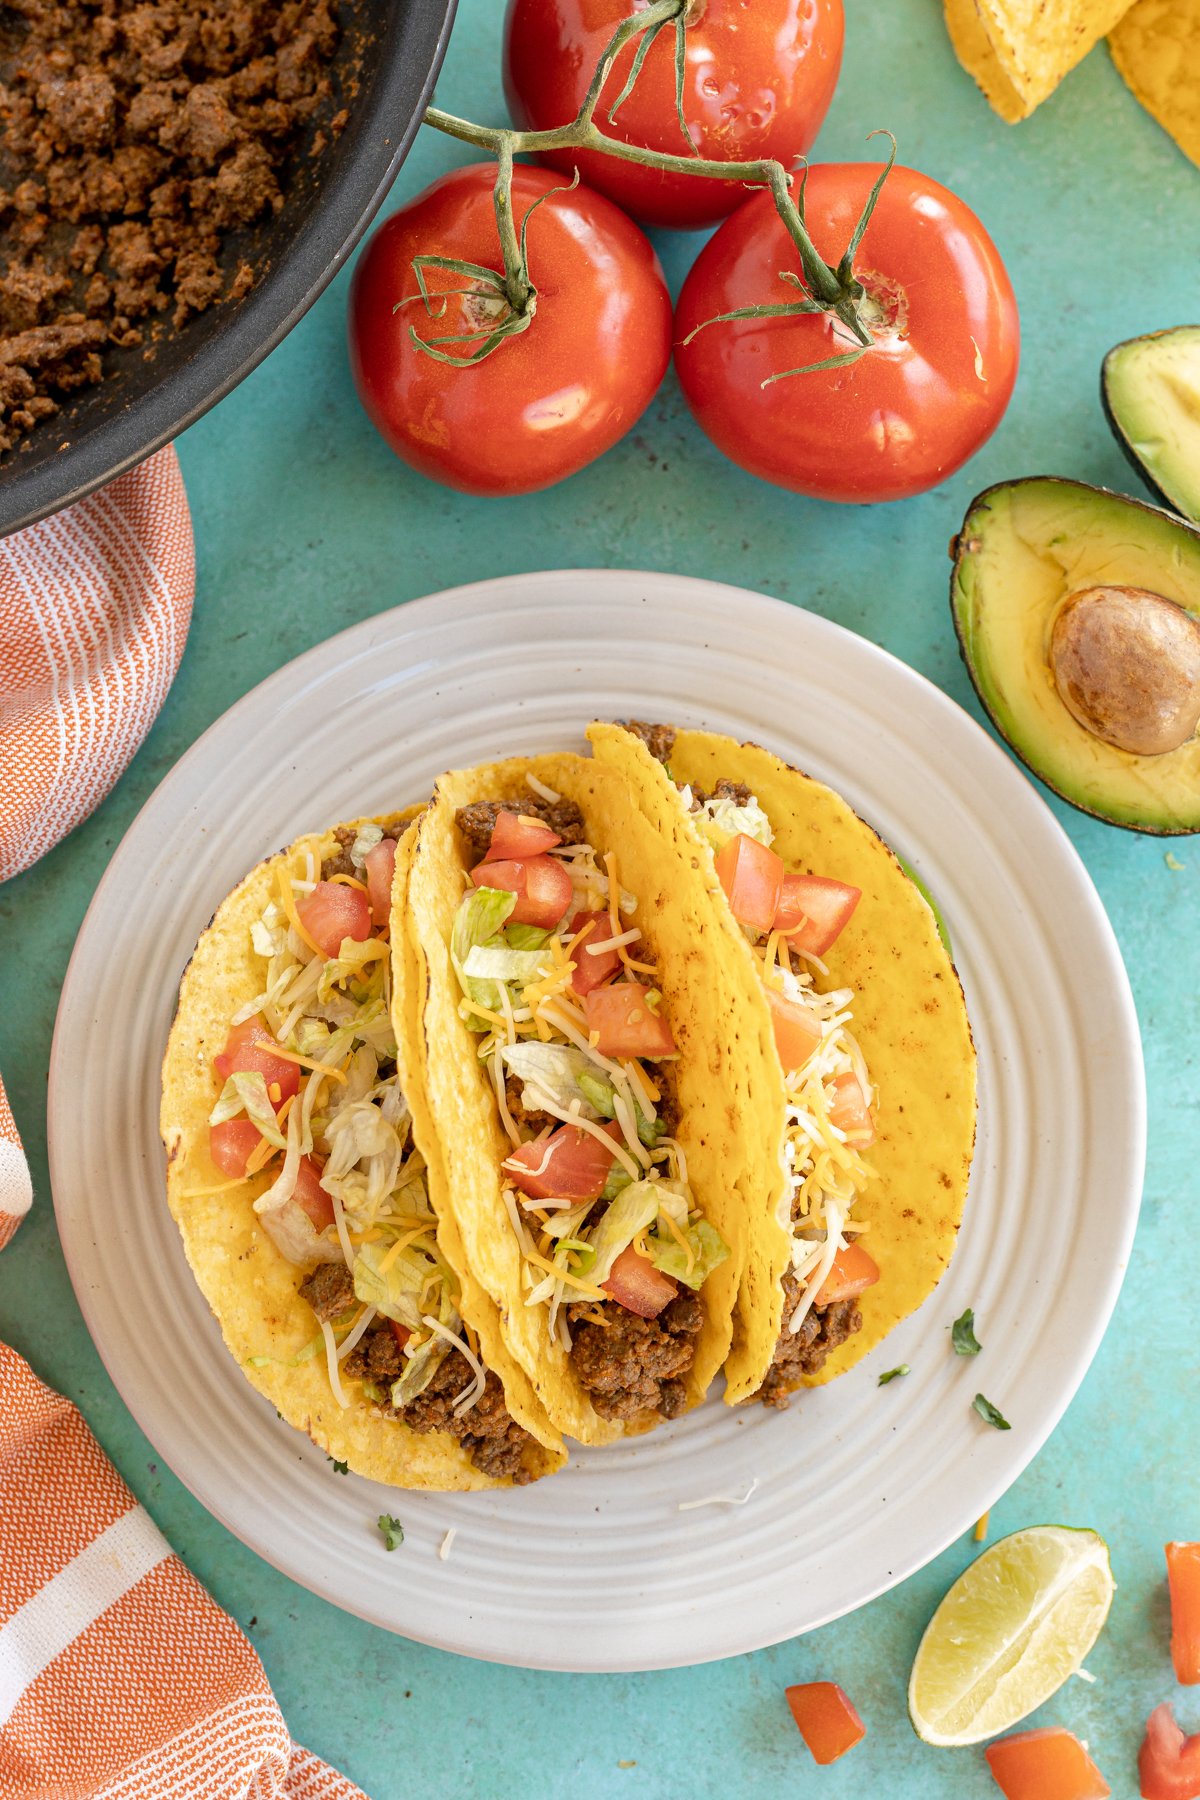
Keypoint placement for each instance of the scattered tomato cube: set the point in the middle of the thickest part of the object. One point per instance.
(1183, 1578)
(1168, 1762)
(827, 1719)
(1050, 1764)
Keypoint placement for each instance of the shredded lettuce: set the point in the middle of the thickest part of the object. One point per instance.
(526, 937)
(619, 1178)
(246, 1091)
(632, 1211)
(477, 922)
(558, 1071)
(599, 1094)
(353, 960)
(708, 1249)
(396, 1290)
(721, 820)
(368, 837)
(496, 962)
(296, 1237)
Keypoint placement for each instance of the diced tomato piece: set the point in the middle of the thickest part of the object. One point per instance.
(250, 1048)
(1050, 1764)
(232, 1144)
(1183, 1578)
(334, 911)
(797, 1031)
(813, 911)
(853, 1272)
(1168, 1762)
(311, 1195)
(569, 1165)
(637, 1285)
(517, 835)
(380, 865)
(625, 1023)
(542, 886)
(850, 1112)
(591, 968)
(400, 1332)
(827, 1719)
(752, 876)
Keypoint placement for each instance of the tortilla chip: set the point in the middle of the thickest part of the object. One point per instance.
(1019, 50)
(1156, 47)
(910, 1021)
(464, 1118)
(253, 1291)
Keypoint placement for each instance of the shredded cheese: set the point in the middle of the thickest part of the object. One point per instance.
(309, 1062)
(331, 1359)
(447, 1541)
(350, 881)
(287, 900)
(565, 1275)
(360, 1325)
(719, 1499)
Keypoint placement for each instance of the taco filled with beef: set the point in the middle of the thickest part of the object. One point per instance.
(310, 1218)
(580, 1090)
(855, 1151)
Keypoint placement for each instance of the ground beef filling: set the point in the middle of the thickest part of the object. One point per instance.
(737, 791)
(658, 739)
(804, 1352)
(133, 135)
(329, 1290)
(478, 821)
(342, 863)
(631, 1365)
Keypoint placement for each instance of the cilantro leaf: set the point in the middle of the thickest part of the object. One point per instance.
(990, 1413)
(392, 1529)
(339, 1468)
(962, 1335)
(894, 1374)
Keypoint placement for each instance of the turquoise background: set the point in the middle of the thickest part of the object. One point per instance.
(304, 524)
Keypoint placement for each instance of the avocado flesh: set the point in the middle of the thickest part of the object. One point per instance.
(1151, 390)
(1024, 547)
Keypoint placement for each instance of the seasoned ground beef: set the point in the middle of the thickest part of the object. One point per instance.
(529, 1117)
(658, 739)
(489, 1434)
(804, 1352)
(631, 1365)
(737, 791)
(329, 1290)
(133, 135)
(478, 821)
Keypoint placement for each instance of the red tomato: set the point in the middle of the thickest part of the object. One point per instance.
(758, 84)
(232, 1144)
(1183, 1577)
(542, 886)
(924, 397)
(311, 1195)
(1168, 1762)
(592, 967)
(1050, 1764)
(813, 911)
(752, 877)
(400, 1332)
(568, 1165)
(547, 401)
(250, 1048)
(624, 1022)
(797, 1032)
(334, 911)
(850, 1112)
(827, 1719)
(638, 1286)
(516, 835)
(381, 866)
(853, 1272)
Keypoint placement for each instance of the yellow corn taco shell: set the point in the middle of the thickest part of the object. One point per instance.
(463, 1117)
(252, 1290)
(1156, 47)
(1019, 50)
(909, 1018)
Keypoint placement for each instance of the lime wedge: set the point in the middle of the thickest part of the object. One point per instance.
(1010, 1631)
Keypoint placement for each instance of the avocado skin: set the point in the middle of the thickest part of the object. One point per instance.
(962, 611)
(1169, 502)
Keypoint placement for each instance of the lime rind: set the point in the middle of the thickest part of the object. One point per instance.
(1014, 1626)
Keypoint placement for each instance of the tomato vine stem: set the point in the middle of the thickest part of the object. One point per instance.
(827, 289)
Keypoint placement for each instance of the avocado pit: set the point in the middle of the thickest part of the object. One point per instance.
(1126, 663)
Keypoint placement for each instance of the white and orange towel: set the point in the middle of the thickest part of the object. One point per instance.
(16, 1189)
(94, 611)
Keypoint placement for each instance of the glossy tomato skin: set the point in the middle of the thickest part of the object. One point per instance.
(548, 401)
(760, 76)
(921, 401)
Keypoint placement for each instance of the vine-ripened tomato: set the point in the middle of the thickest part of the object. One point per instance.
(924, 397)
(760, 75)
(548, 400)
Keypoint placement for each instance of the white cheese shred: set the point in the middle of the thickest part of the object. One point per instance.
(540, 787)
(331, 1357)
(719, 1499)
(446, 1544)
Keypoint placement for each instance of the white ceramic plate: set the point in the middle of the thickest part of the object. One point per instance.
(857, 1485)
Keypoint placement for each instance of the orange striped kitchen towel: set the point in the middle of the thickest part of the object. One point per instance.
(94, 611)
(120, 1679)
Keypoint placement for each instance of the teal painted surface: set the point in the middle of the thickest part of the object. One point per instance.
(305, 524)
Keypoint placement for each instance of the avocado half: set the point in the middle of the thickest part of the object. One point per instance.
(1150, 391)
(1023, 548)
